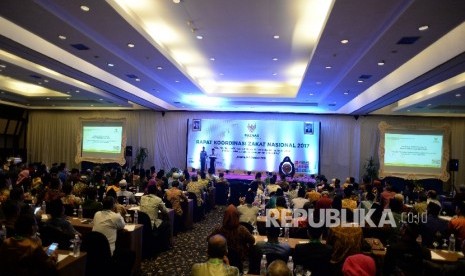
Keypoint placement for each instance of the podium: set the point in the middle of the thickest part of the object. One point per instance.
(212, 163)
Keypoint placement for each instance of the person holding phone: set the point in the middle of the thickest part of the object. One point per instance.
(23, 254)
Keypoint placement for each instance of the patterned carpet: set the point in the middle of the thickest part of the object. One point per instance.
(189, 247)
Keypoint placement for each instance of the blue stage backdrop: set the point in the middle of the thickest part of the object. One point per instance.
(255, 145)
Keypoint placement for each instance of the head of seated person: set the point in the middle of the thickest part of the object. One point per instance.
(56, 208)
(272, 233)
(301, 192)
(281, 202)
(314, 233)
(249, 198)
(67, 188)
(108, 203)
(217, 247)
(278, 268)
(123, 184)
(91, 193)
(279, 192)
(111, 193)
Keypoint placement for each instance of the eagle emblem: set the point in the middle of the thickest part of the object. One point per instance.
(252, 127)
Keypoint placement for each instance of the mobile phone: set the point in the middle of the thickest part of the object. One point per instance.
(37, 210)
(52, 248)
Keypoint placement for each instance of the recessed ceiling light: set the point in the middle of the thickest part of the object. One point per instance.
(458, 95)
(276, 36)
(346, 93)
(360, 81)
(77, 91)
(408, 110)
(423, 28)
(45, 80)
(344, 41)
(67, 98)
(275, 59)
(221, 74)
(91, 105)
(100, 99)
(381, 63)
(199, 37)
(176, 1)
(85, 8)
(47, 98)
(311, 94)
(53, 105)
(429, 105)
(137, 79)
(176, 81)
(62, 37)
(111, 64)
(68, 92)
(159, 68)
(212, 59)
(3, 65)
(274, 74)
(328, 67)
(39, 83)
(318, 82)
(131, 45)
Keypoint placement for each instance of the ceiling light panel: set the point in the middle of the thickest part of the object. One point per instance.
(164, 25)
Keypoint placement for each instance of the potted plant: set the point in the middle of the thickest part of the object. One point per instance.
(141, 155)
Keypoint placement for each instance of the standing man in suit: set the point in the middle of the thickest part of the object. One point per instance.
(203, 160)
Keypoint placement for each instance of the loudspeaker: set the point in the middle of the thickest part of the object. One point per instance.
(129, 151)
(453, 165)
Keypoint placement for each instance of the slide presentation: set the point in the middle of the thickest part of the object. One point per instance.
(105, 139)
(414, 150)
(101, 141)
(255, 145)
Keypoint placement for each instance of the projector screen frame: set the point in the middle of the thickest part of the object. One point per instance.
(443, 175)
(120, 158)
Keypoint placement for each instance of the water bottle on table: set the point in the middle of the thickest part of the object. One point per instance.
(290, 265)
(76, 246)
(263, 266)
(452, 243)
(136, 217)
(80, 212)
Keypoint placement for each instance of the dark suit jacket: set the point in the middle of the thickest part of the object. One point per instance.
(314, 257)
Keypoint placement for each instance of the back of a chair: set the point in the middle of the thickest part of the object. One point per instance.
(97, 247)
(121, 199)
(149, 247)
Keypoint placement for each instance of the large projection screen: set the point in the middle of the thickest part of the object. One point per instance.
(255, 145)
(414, 152)
(101, 141)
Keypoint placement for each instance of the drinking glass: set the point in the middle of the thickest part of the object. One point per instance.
(75, 212)
(435, 244)
(245, 267)
(299, 270)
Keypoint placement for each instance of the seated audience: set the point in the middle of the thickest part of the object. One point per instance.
(406, 256)
(23, 254)
(130, 198)
(69, 198)
(90, 205)
(346, 239)
(175, 196)
(457, 224)
(58, 219)
(218, 263)
(118, 207)
(272, 248)
(314, 256)
(300, 200)
(278, 268)
(421, 206)
(11, 212)
(155, 208)
(359, 265)
(248, 212)
(238, 237)
(386, 195)
(108, 221)
(433, 229)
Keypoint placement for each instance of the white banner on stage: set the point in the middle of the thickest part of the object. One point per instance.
(254, 145)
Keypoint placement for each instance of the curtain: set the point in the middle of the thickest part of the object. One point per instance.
(346, 141)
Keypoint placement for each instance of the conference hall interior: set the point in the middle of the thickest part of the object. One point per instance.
(213, 137)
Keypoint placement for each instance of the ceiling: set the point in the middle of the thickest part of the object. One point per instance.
(241, 55)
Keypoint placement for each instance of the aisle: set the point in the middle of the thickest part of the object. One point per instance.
(190, 247)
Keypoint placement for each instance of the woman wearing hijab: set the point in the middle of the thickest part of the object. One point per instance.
(238, 237)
